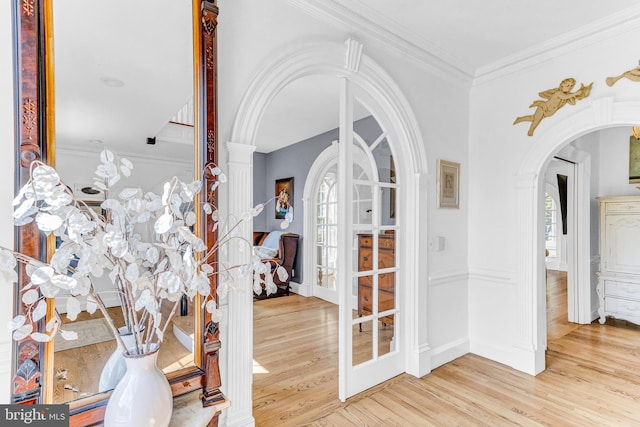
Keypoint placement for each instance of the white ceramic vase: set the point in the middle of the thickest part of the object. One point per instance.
(116, 366)
(143, 396)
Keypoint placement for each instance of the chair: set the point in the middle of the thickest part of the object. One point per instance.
(287, 248)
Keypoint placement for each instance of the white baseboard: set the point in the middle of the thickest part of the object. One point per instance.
(499, 353)
(448, 352)
(242, 421)
(419, 361)
(300, 289)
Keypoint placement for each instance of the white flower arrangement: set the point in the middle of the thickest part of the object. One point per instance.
(175, 262)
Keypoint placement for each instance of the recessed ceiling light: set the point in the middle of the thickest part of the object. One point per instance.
(112, 81)
(90, 190)
(95, 141)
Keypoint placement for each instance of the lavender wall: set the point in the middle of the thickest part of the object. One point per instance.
(259, 178)
(296, 161)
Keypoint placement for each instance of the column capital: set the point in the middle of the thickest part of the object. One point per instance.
(240, 153)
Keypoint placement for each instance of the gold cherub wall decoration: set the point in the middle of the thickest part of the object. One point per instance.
(633, 75)
(555, 99)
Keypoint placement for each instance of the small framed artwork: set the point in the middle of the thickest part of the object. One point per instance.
(448, 184)
(392, 191)
(284, 197)
(634, 160)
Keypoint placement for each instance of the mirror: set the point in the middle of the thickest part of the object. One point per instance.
(35, 106)
(125, 85)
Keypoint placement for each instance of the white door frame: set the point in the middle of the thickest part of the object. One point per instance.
(578, 169)
(579, 257)
(530, 343)
(340, 60)
(553, 193)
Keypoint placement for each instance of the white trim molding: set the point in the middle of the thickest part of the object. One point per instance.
(237, 333)
(448, 352)
(448, 277)
(302, 289)
(604, 29)
(490, 275)
(433, 59)
(394, 112)
(454, 69)
(530, 345)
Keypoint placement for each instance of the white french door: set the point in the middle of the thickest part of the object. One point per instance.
(368, 270)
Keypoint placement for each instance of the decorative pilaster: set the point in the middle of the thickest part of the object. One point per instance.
(529, 347)
(239, 350)
(415, 206)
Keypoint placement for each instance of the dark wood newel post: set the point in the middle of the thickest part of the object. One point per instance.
(30, 106)
(211, 394)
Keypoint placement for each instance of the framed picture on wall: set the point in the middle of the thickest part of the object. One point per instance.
(284, 197)
(634, 160)
(392, 191)
(448, 184)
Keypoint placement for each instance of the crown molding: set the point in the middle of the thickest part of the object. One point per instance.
(603, 29)
(453, 69)
(431, 59)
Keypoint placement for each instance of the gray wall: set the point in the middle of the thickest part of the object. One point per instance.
(296, 161)
(259, 178)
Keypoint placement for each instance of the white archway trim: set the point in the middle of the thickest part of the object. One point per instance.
(337, 59)
(529, 347)
(319, 168)
(333, 59)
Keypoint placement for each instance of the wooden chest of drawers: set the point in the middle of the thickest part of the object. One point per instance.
(386, 281)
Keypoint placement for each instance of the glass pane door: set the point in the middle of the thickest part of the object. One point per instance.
(371, 327)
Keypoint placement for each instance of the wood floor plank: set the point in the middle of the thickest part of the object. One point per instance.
(592, 376)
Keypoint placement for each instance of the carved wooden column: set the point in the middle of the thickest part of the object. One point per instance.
(240, 349)
(208, 132)
(32, 131)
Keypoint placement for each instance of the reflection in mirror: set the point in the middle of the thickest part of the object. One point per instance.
(123, 81)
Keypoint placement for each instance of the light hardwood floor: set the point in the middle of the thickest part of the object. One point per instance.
(592, 376)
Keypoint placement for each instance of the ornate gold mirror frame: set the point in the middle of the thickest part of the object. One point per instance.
(35, 139)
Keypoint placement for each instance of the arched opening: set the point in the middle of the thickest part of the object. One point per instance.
(529, 349)
(328, 59)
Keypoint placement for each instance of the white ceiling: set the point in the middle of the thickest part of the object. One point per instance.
(471, 37)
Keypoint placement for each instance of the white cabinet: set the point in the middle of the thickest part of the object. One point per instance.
(619, 275)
